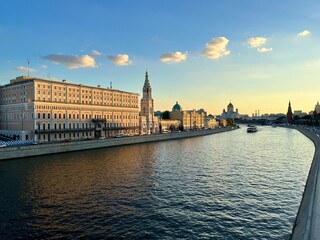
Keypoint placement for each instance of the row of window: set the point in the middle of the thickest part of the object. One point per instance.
(60, 126)
(84, 116)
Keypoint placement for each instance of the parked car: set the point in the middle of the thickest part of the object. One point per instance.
(118, 135)
(3, 146)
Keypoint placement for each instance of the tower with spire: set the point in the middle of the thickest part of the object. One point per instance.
(146, 105)
(289, 114)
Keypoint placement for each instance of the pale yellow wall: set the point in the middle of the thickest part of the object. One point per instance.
(47, 104)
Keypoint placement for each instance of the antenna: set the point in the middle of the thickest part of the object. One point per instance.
(110, 84)
(28, 66)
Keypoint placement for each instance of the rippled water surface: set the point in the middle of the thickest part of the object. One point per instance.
(232, 185)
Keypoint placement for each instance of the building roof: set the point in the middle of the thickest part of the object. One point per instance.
(23, 79)
(176, 107)
(230, 105)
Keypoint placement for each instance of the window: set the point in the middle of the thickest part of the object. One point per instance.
(43, 115)
(38, 115)
(49, 115)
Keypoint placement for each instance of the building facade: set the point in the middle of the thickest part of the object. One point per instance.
(168, 125)
(190, 119)
(45, 110)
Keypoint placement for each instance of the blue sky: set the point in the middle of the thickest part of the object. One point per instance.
(258, 54)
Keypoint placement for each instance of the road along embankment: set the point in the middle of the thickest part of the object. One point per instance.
(52, 148)
(307, 223)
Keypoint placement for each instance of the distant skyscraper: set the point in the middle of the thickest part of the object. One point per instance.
(289, 114)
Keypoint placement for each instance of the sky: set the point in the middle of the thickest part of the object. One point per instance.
(257, 54)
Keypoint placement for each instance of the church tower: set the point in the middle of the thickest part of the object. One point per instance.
(146, 105)
(289, 114)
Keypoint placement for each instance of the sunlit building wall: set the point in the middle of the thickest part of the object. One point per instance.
(45, 110)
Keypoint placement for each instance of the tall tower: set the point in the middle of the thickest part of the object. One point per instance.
(289, 114)
(146, 105)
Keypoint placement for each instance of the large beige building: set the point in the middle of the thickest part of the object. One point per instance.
(190, 119)
(45, 110)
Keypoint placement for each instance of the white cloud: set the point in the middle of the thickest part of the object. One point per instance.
(72, 61)
(24, 69)
(216, 48)
(264, 50)
(303, 34)
(120, 59)
(44, 66)
(173, 57)
(313, 63)
(256, 42)
(96, 53)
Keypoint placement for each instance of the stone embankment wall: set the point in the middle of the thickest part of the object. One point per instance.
(52, 148)
(307, 223)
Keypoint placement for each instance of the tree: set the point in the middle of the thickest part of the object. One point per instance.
(230, 122)
(166, 115)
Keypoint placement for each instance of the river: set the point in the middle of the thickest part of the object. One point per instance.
(232, 185)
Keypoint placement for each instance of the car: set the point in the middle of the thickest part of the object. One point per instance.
(3, 146)
(118, 135)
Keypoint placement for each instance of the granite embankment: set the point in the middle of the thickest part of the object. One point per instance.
(52, 148)
(307, 223)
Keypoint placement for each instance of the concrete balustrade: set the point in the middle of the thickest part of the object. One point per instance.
(307, 223)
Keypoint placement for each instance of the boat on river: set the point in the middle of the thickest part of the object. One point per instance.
(252, 129)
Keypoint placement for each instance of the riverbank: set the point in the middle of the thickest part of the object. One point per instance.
(307, 222)
(53, 148)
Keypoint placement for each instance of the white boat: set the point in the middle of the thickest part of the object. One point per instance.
(252, 129)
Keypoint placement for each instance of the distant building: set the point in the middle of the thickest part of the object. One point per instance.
(170, 125)
(244, 117)
(149, 123)
(230, 113)
(190, 119)
(212, 123)
(289, 114)
(299, 113)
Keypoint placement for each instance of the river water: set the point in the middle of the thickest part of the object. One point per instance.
(233, 185)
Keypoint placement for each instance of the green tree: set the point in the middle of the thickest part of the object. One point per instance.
(230, 122)
(166, 115)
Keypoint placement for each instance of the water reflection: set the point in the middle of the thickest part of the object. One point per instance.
(232, 185)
